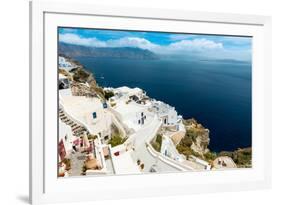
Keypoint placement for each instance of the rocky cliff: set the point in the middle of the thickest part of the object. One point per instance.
(196, 139)
(106, 52)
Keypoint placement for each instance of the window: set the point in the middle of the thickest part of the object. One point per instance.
(94, 115)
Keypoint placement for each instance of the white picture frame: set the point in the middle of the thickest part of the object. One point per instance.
(45, 187)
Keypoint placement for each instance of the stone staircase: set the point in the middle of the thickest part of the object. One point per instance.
(77, 129)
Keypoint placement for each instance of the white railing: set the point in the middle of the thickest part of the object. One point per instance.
(167, 160)
(95, 172)
(99, 153)
(162, 157)
(124, 127)
(118, 125)
(110, 154)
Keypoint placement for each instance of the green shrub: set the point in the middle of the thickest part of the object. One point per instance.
(159, 139)
(108, 94)
(157, 143)
(187, 151)
(80, 75)
(186, 141)
(193, 133)
(243, 157)
(116, 140)
(92, 137)
(156, 146)
(210, 156)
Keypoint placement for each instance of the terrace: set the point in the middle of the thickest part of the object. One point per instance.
(91, 112)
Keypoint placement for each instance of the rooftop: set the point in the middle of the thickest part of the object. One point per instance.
(123, 163)
(125, 89)
(122, 107)
(82, 109)
(129, 112)
(161, 107)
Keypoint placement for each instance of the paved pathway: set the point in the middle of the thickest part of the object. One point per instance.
(77, 162)
(141, 152)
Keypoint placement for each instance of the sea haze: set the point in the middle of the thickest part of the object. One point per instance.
(216, 93)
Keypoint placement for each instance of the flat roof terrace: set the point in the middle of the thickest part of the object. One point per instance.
(123, 162)
(82, 109)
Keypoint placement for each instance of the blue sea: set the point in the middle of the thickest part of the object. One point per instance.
(216, 93)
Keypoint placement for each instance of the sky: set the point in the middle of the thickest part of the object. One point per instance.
(173, 44)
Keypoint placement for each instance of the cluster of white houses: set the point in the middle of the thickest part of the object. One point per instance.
(133, 107)
(167, 114)
(65, 64)
(129, 110)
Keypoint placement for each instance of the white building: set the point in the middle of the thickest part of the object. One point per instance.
(166, 113)
(90, 113)
(133, 115)
(122, 160)
(65, 139)
(64, 64)
(127, 93)
(168, 149)
(127, 107)
(64, 86)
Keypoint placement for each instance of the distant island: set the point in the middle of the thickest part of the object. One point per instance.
(72, 50)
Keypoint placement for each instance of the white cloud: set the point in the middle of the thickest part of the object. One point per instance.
(195, 45)
(189, 45)
(94, 42)
(77, 40)
(199, 46)
(132, 42)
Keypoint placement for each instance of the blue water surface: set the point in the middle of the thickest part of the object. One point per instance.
(216, 93)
